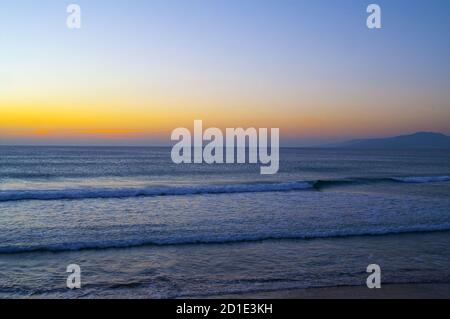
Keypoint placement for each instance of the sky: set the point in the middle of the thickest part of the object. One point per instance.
(138, 69)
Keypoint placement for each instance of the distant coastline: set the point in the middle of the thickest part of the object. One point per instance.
(419, 140)
(428, 140)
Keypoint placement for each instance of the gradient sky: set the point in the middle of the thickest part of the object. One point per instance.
(139, 69)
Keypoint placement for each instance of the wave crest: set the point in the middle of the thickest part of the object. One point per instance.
(426, 179)
(85, 193)
(89, 192)
(205, 239)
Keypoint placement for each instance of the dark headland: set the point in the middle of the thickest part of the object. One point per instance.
(417, 140)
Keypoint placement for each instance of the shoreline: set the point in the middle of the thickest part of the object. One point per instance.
(387, 291)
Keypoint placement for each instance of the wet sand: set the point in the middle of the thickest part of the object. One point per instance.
(393, 291)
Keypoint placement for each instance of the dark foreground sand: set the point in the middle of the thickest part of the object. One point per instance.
(401, 291)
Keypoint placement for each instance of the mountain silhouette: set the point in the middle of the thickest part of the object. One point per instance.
(416, 140)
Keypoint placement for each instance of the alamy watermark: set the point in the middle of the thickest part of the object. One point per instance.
(374, 279)
(374, 19)
(74, 279)
(74, 18)
(229, 148)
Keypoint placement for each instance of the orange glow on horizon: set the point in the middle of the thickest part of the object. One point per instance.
(120, 121)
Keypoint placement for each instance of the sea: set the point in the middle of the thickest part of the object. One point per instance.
(140, 226)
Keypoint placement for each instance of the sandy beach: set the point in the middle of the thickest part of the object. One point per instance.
(393, 291)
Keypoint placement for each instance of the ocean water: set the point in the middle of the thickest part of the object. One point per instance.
(140, 226)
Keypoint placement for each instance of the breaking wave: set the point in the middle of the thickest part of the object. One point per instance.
(84, 193)
(221, 239)
(93, 192)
